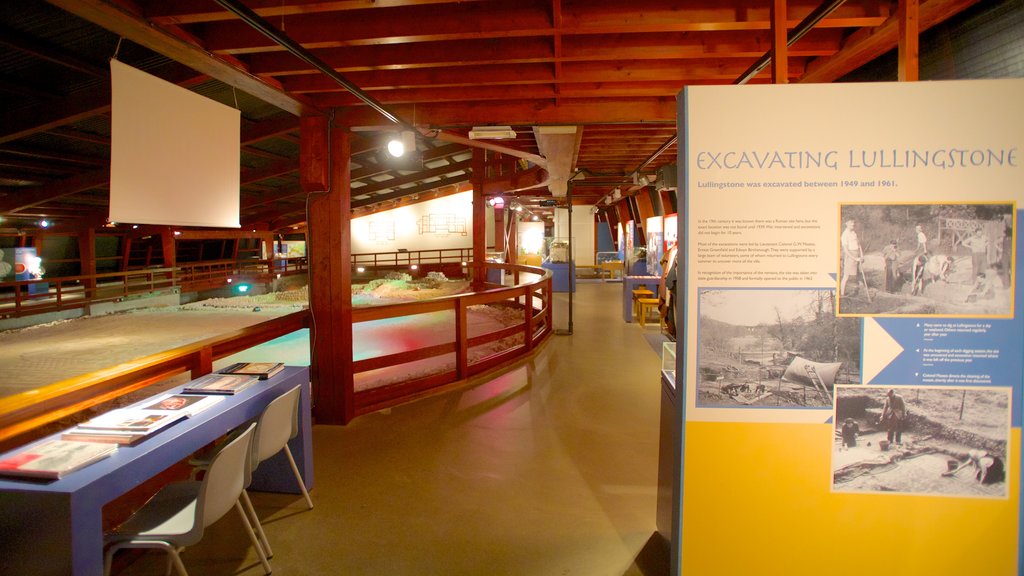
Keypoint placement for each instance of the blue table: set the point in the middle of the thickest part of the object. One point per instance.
(57, 527)
(563, 276)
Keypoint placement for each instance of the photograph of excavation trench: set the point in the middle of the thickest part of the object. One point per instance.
(774, 348)
(953, 441)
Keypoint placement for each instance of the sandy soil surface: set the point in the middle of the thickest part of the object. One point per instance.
(40, 355)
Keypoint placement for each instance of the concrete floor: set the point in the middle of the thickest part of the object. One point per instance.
(547, 469)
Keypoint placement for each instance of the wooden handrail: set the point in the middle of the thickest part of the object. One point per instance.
(26, 411)
(536, 326)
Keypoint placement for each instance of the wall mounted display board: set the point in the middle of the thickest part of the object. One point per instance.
(851, 398)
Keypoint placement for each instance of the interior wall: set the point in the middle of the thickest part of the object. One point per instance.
(432, 225)
(582, 232)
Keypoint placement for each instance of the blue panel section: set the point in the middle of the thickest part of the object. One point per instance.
(604, 238)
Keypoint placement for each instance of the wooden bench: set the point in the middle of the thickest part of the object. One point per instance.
(645, 305)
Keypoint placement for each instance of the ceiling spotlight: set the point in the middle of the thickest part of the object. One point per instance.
(400, 144)
(491, 133)
(44, 223)
(535, 218)
(497, 201)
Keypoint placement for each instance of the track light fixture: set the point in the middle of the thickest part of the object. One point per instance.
(399, 144)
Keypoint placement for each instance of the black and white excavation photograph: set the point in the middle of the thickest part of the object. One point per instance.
(921, 440)
(926, 259)
(774, 348)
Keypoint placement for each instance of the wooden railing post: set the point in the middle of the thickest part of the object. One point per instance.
(528, 307)
(461, 340)
(202, 362)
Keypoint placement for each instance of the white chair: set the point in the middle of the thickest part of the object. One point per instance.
(178, 514)
(278, 424)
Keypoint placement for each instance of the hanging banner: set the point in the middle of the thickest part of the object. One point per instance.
(853, 335)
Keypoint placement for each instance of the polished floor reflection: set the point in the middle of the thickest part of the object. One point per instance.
(547, 469)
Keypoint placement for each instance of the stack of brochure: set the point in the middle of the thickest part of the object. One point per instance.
(124, 426)
(219, 384)
(263, 370)
(54, 459)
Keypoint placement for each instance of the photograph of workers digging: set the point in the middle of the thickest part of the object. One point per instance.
(782, 348)
(926, 259)
(921, 440)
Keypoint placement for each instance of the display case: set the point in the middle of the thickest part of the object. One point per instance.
(558, 251)
(668, 362)
(609, 264)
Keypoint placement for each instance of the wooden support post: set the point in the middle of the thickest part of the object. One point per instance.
(479, 217)
(909, 29)
(169, 246)
(461, 340)
(330, 274)
(499, 229)
(780, 46)
(87, 258)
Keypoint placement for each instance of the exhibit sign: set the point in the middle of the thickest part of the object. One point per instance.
(853, 334)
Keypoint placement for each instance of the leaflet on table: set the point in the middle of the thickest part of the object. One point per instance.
(820, 258)
(54, 459)
(219, 384)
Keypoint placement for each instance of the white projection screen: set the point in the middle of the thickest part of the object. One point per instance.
(174, 156)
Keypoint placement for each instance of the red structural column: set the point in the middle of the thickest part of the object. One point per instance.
(908, 69)
(87, 258)
(325, 176)
(169, 248)
(479, 218)
(499, 229)
(780, 39)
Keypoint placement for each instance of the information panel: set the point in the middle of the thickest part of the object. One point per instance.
(853, 335)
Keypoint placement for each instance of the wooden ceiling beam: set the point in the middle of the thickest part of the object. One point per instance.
(46, 51)
(47, 192)
(449, 21)
(196, 11)
(508, 51)
(587, 16)
(123, 19)
(518, 18)
(865, 45)
(409, 55)
(428, 77)
(266, 129)
(414, 177)
(421, 189)
(512, 112)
